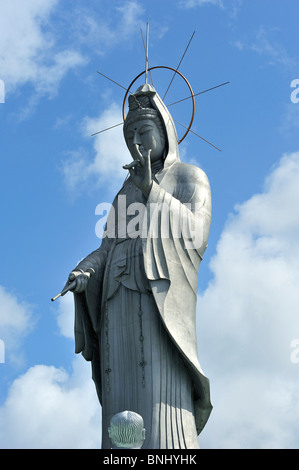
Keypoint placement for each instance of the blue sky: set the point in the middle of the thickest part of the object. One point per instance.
(54, 175)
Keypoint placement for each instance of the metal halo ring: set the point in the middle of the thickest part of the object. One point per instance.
(181, 75)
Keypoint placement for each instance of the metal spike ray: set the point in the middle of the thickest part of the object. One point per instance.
(179, 65)
(190, 130)
(146, 54)
(196, 94)
(108, 128)
(113, 81)
(144, 46)
(148, 72)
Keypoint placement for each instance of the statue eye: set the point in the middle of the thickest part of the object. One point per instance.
(145, 129)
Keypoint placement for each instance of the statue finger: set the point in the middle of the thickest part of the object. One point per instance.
(130, 165)
(148, 157)
(73, 275)
(140, 157)
(81, 283)
(141, 160)
(133, 175)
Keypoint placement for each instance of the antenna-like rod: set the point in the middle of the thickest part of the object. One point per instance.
(113, 81)
(146, 54)
(210, 143)
(196, 94)
(178, 66)
(144, 47)
(107, 129)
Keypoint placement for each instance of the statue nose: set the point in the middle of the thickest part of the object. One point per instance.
(136, 139)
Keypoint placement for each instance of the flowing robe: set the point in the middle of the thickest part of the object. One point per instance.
(136, 320)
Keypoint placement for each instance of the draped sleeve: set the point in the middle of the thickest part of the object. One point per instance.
(177, 227)
(88, 303)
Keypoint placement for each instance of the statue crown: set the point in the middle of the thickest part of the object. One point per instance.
(139, 102)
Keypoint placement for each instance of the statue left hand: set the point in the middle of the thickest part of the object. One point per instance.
(140, 170)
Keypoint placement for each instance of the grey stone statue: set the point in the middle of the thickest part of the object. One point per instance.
(135, 317)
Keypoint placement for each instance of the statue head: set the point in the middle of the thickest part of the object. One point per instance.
(126, 430)
(143, 125)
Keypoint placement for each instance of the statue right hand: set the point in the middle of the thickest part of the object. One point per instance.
(143, 177)
(81, 280)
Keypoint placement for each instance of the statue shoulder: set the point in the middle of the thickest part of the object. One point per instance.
(190, 173)
(189, 184)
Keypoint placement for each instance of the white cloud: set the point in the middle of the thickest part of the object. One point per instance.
(109, 154)
(103, 28)
(275, 51)
(264, 45)
(248, 319)
(65, 317)
(200, 3)
(130, 13)
(28, 51)
(34, 51)
(49, 408)
(253, 411)
(232, 7)
(16, 321)
(46, 407)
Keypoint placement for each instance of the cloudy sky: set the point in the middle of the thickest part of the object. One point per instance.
(54, 175)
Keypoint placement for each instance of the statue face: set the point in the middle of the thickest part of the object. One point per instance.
(146, 135)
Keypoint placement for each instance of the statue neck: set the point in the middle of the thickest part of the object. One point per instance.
(157, 166)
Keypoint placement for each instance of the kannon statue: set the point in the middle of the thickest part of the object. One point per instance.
(135, 318)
